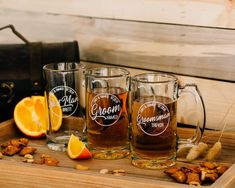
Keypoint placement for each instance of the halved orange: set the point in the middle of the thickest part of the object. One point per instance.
(77, 149)
(31, 117)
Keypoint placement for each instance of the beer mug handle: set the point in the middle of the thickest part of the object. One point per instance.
(201, 122)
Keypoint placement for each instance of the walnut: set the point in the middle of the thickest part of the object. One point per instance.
(10, 150)
(24, 141)
(27, 150)
(13, 146)
(16, 142)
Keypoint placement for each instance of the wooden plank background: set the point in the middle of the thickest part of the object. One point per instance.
(182, 49)
(215, 13)
(193, 39)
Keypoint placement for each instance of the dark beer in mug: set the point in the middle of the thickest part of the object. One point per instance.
(107, 114)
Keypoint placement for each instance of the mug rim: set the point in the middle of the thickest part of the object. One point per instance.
(50, 67)
(124, 72)
(171, 78)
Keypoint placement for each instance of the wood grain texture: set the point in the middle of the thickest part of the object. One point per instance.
(18, 175)
(215, 13)
(8, 129)
(15, 173)
(187, 50)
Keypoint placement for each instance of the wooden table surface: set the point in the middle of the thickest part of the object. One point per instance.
(15, 173)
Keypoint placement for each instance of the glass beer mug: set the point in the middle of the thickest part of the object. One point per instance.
(154, 137)
(65, 100)
(107, 117)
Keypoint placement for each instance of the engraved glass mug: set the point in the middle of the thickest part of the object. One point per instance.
(107, 117)
(154, 137)
(65, 99)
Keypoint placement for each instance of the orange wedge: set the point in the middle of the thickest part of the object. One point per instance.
(31, 116)
(77, 149)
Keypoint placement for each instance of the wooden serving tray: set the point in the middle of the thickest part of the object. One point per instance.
(15, 173)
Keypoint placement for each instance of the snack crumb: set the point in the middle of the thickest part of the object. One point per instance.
(104, 171)
(29, 160)
(28, 156)
(119, 172)
(50, 161)
(81, 167)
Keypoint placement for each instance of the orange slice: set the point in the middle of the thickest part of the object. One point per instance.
(55, 112)
(31, 116)
(77, 149)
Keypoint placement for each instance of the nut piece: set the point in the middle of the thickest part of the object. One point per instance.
(193, 179)
(171, 170)
(81, 167)
(221, 169)
(179, 176)
(17, 143)
(27, 150)
(119, 172)
(104, 171)
(51, 161)
(22, 142)
(10, 150)
(209, 165)
(4, 145)
(211, 177)
(48, 160)
(28, 156)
